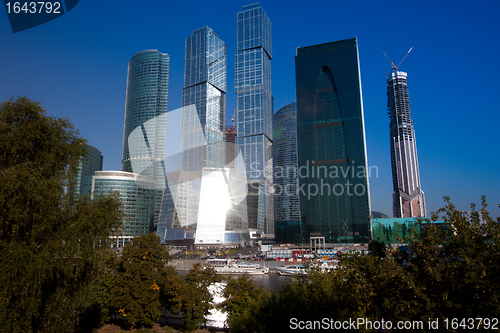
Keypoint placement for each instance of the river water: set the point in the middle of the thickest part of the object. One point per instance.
(271, 281)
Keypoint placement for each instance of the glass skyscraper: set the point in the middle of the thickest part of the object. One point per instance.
(203, 201)
(408, 197)
(144, 130)
(255, 113)
(332, 164)
(136, 193)
(89, 164)
(286, 195)
(205, 85)
(203, 117)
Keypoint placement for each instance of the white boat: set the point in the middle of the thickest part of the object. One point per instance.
(292, 270)
(232, 266)
(301, 270)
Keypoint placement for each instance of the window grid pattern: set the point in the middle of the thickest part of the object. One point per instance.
(146, 99)
(146, 102)
(286, 199)
(87, 167)
(254, 113)
(136, 193)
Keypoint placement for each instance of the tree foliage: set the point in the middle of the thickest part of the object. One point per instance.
(241, 297)
(450, 271)
(142, 269)
(48, 240)
(190, 295)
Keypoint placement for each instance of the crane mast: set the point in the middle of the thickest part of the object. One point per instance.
(393, 66)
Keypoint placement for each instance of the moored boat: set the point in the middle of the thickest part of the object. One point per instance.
(292, 270)
(232, 266)
(301, 270)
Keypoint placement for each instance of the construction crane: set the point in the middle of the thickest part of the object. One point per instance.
(392, 64)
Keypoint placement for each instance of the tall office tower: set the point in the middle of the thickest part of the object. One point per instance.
(255, 114)
(204, 199)
(286, 195)
(89, 164)
(203, 116)
(144, 130)
(408, 197)
(333, 174)
(205, 85)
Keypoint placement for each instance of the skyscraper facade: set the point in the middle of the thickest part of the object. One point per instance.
(254, 114)
(204, 199)
(286, 195)
(136, 192)
(408, 197)
(89, 164)
(205, 85)
(146, 101)
(203, 116)
(332, 163)
(144, 127)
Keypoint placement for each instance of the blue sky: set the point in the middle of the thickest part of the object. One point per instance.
(76, 66)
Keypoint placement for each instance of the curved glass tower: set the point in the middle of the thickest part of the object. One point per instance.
(408, 197)
(144, 130)
(136, 193)
(146, 99)
(333, 179)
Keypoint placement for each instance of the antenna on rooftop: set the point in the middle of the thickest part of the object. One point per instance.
(392, 64)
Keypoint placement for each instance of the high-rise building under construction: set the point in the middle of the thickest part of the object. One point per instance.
(408, 197)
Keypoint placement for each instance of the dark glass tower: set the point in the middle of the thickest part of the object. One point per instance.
(286, 195)
(408, 197)
(333, 175)
(255, 114)
(87, 167)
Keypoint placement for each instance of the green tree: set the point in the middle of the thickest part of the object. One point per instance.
(450, 271)
(101, 310)
(190, 296)
(242, 296)
(48, 240)
(377, 248)
(457, 266)
(142, 269)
